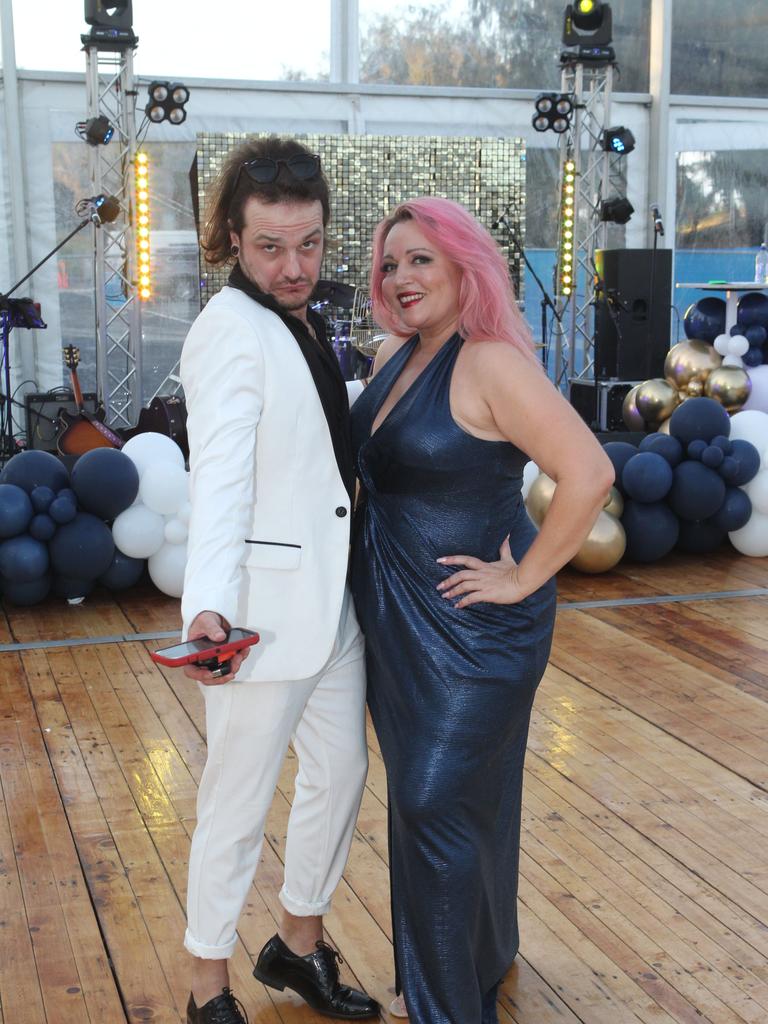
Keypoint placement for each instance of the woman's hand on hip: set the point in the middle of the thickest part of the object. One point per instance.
(493, 582)
(212, 626)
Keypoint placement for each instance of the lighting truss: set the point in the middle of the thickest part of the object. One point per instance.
(110, 85)
(593, 170)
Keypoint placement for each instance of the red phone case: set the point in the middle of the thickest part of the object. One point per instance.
(221, 652)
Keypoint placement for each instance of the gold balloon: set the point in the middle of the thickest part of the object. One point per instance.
(694, 388)
(540, 495)
(663, 428)
(603, 548)
(730, 385)
(656, 400)
(690, 360)
(614, 503)
(632, 418)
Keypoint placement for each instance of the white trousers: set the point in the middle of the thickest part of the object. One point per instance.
(249, 726)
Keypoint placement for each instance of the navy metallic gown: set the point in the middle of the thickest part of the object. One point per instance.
(450, 690)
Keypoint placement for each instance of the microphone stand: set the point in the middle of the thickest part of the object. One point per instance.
(23, 313)
(658, 229)
(546, 300)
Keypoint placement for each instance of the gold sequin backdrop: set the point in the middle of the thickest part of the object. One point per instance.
(370, 174)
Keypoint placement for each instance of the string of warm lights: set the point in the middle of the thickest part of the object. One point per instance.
(567, 217)
(141, 166)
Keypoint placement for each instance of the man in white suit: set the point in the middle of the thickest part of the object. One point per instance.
(272, 482)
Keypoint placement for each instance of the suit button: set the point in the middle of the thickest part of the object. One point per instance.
(341, 511)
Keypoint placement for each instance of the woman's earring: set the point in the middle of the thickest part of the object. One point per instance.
(235, 250)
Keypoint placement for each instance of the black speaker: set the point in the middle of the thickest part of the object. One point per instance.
(42, 416)
(600, 403)
(633, 293)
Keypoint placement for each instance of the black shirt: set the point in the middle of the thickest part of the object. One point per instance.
(323, 366)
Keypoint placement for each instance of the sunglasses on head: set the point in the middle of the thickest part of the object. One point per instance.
(265, 169)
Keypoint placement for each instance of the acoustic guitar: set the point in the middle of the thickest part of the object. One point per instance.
(81, 432)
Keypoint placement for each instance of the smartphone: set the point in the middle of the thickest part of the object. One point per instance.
(207, 653)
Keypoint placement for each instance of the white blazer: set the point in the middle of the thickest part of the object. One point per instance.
(269, 534)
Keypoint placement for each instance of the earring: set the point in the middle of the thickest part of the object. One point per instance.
(235, 250)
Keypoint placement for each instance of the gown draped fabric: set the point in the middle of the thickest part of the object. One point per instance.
(450, 690)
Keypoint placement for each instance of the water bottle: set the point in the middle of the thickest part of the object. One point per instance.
(761, 265)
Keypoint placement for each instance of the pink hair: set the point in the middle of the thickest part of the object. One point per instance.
(487, 307)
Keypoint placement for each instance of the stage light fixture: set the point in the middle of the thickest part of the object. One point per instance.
(97, 131)
(167, 102)
(588, 22)
(111, 24)
(141, 173)
(616, 211)
(553, 112)
(618, 140)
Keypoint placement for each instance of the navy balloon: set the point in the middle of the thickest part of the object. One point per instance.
(697, 492)
(699, 419)
(42, 498)
(651, 529)
(82, 549)
(15, 510)
(29, 593)
(734, 512)
(35, 469)
(665, 445)
(712, 456)
(705, 319)
(747, 462)
(42, 527)
(756, 335)
(105, 481)
(65, 586)
(647, 477)
(753, 310)
(63, 509)
(753, 357)
(124, 572)
(700, 538)
(619, 452)
(696, 448)
(23, 559)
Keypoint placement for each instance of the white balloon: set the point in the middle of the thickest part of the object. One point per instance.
(530, 472)
(138, 532)
(185, 513)
(750, 426)
(164, 487)
(147, 449)
(752, 539)
(739, 345)
(166, 569)
(731, 360)
(722, 343)
(176, 532)
(757, 491)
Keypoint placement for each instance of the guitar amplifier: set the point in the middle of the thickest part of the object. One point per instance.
(42, 416)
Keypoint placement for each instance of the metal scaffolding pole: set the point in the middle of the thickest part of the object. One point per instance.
(111, 94)
(594, 180)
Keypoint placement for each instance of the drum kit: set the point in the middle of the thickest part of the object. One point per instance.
(354, 334)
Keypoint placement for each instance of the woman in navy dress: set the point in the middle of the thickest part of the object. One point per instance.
(454, 590)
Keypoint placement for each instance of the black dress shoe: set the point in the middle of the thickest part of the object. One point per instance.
(316, 979)
(223, 1009)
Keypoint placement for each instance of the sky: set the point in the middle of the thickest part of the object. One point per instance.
(238, 39)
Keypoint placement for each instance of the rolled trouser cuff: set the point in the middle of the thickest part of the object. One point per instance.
(300, 908)
(208, 952)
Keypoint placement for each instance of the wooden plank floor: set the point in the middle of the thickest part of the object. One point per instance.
(644, 879)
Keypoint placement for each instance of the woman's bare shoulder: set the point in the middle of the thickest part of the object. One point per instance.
(388, 347)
